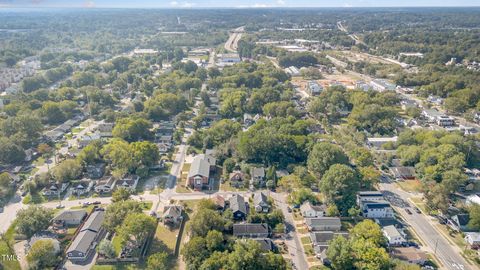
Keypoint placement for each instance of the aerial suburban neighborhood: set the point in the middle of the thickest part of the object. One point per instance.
(198, 136)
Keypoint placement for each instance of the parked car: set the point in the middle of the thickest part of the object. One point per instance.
(289, 209)
(85, 204)
(408, 211)
(96, 202)
(60, 206)
(417, 210)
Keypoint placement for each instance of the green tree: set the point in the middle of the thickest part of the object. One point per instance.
(339, 185)
(136, 228)
(10, 153)
(214, 241)
(204, 221)
(132, 129)
(158, 261)
(33, 219)
(117, 212)
(474, 211)
(67, 170)
(42, 255)
(368, 230)
(121, 194)
(106, 249)
(324, 155)
(369, 256)
(339, 252)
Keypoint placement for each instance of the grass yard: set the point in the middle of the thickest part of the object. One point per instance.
(35, 198)
(117, 267)
(410, 185)
(165, 239)
(117, 244)
(420, 204)
(183, 189)
(305, 240)
(302, 230)
(6, 248)
(309, 250)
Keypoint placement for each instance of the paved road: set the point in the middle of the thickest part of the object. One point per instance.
(423, 225)
(232, 43)
(295, 247)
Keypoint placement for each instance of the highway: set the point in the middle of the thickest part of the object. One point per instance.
(232, 43)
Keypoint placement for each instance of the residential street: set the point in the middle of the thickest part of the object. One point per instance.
(295, 247)
(448, 254)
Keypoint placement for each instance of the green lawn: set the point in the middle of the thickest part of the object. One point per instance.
(410, 185)
(305, 240)
(165, 239)
(117, 244)
(309, 250)
(6, 250)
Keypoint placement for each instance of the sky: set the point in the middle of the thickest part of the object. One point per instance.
(230, 3)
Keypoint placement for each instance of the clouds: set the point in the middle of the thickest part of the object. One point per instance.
(182, 4)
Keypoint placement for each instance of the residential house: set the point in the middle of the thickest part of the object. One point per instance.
(220, 202)
(403, 172)
(199, 174)
(376, 209)
(54, 189)
(70, 218)
(105, 185)
(394, 236)
(87, 139)
(266, 244)
(459, 223)
(163, 148)
(104, 129)
(410, 255)
(83, 187)
(238, 206)
(251, 230)
(258, 177)
(313, 88)
(308, 210)
(84, 244)
(473, 239)
(377, 143)
(381, 85)
(320, 241)
(172, 214)
(323, 224)
(236, 178)
(373, 205)
(129, 182)
(260, 203)
(95, 171)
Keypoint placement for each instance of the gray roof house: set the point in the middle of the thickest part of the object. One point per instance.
(238, 206)
(258, 176)
(172, 214)
(199, 173)
(83, 246)
(251, 230)
(260, 202)
(308, 210)
(323, 224)
(70, 217)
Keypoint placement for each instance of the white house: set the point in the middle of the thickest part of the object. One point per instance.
(312, 211)
(472, 239)
(105, 185)
(393, 235)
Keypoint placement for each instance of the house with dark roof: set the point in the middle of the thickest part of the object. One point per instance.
(266, 244)
(320, 241)
(199, 174)
(129, 182)
(95, 171)
(84, 244)
(70, 217)
(258, 177)
(220, 202)
(54, 189)
(260, 203)
(238, 206)
(459, 223)
(403, 172)
(236, 178)
(251, 230)
(323, 224)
